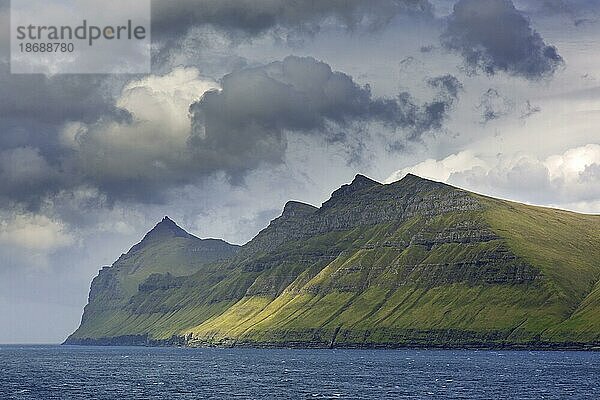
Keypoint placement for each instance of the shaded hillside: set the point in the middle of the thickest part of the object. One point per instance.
(166, 249)
(415, 262)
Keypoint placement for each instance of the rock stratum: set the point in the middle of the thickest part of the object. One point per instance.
(414, 263)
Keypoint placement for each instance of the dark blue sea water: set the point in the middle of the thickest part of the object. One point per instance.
(55, 372)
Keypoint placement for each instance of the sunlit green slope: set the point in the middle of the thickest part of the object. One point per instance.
(415, 262)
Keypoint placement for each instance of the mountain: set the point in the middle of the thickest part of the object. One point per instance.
(412, 263)
(166, 252)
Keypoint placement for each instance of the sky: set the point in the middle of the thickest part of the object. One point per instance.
(253, 103)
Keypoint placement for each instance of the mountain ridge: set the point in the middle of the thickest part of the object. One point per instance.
(411, 263)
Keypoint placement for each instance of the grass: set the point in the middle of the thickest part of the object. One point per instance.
(504, 273)
(564, 245)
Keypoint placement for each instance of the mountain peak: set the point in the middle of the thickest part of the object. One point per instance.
(413, 177)
(165, 229)
(415, 183)
(297, 208)
(361, 181)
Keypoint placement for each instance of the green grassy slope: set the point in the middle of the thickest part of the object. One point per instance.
(566, 246)
(166, 253)
(378, 293)
(411, 263)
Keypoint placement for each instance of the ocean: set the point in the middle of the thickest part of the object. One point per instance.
(73, 372)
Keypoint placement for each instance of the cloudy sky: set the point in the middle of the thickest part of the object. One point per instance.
(252, 103)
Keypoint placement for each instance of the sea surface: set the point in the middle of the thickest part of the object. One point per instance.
(73, 372)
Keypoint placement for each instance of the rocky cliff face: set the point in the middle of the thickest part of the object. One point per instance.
(415, 262)
(166, 249)
(363, 202)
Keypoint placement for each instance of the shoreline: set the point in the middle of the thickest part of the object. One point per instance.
(143, 341)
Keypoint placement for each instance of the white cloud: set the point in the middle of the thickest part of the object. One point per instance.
(572, 163)
(155, 141)
(568, 180)
(166, 99)
(34, 232)
(442, 169)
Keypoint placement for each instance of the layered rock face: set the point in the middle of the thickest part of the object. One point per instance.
(364, 202)
(415, 262)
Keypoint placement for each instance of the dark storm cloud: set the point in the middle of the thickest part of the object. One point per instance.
(573, 8)
(580, 12)
(254, 17)
(244, 124)
(493, 36)
(545, 7)
(33, 110)
(55, 99)
(557, 6)
(446, 84)
(234, 130)
(4, 30)
(25, 174)
(434, 113)
(493, 105)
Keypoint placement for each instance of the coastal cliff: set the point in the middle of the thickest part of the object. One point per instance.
(412, 263)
